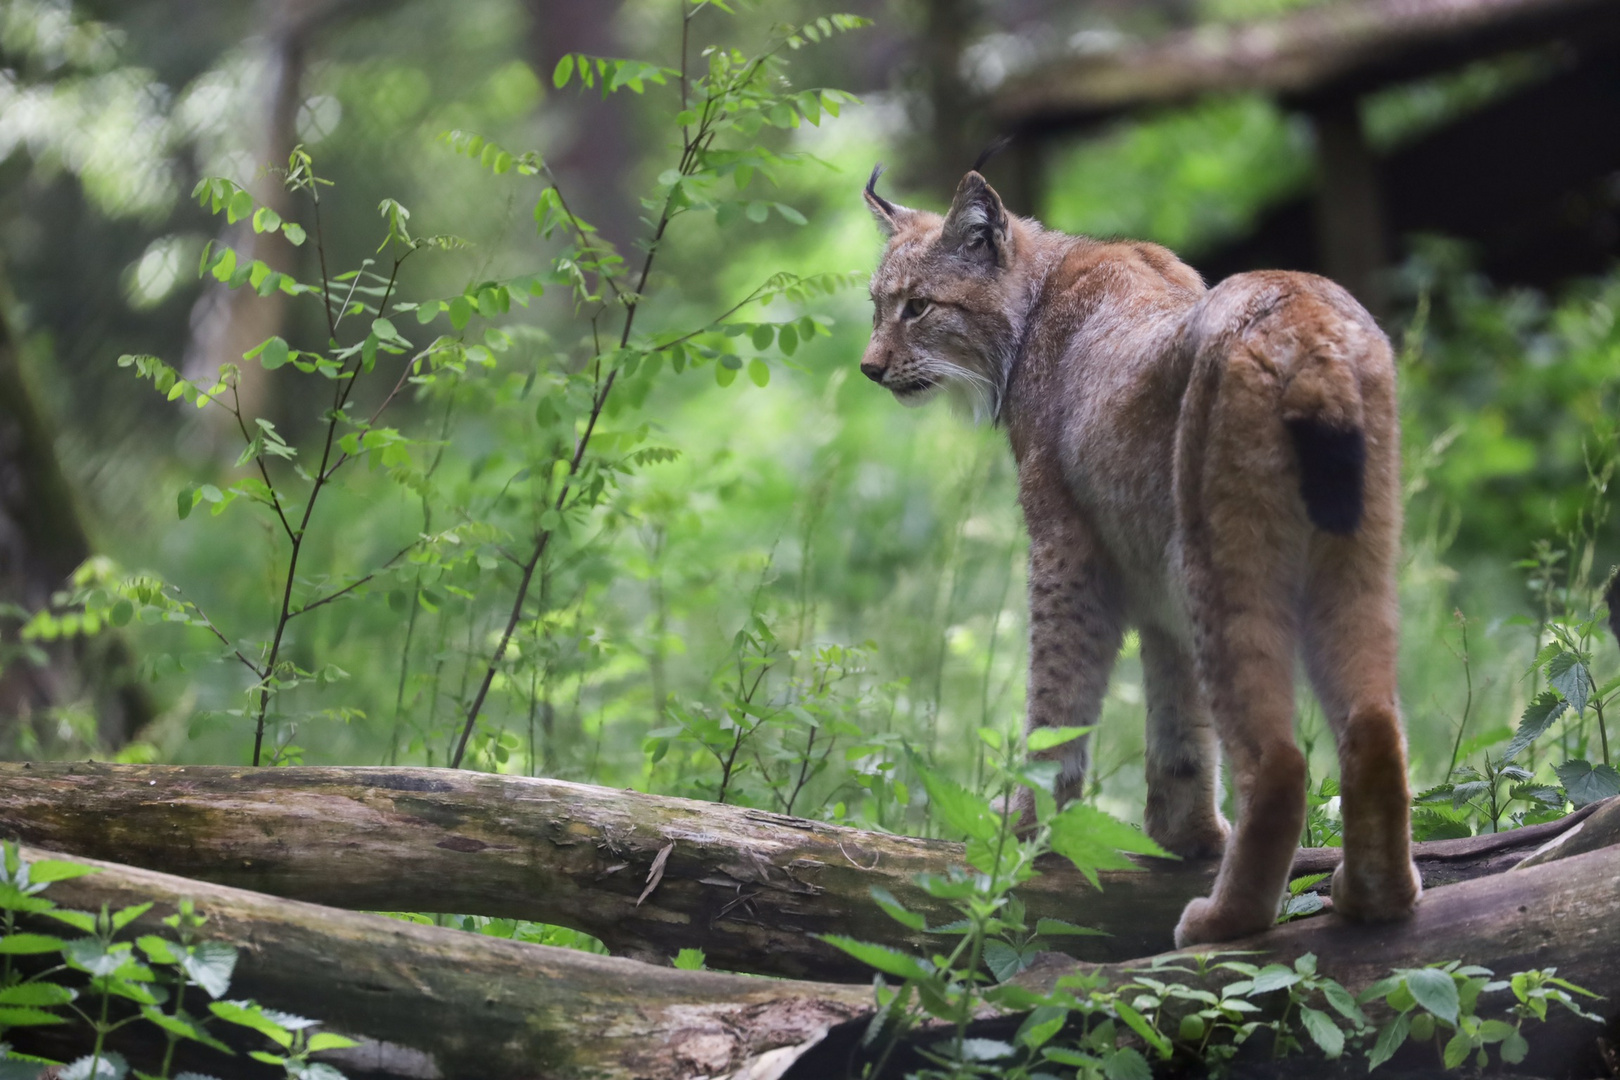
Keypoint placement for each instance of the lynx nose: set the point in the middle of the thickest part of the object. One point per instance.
(873, 371)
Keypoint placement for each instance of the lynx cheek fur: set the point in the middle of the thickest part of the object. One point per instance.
(1218, 468)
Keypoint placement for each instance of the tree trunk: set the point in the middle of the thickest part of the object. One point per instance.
(751, 888)
(42, 541)
(443, 1003)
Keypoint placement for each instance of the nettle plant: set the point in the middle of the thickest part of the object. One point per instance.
(1181, 1009)
(784, 729)
(436, 351)
(99, 983)
(1578, 700)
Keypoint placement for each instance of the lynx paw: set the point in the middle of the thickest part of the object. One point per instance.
(1203, 922)
(1376, 897)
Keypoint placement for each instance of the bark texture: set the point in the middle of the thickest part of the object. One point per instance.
(437, 1003)
(751, 888)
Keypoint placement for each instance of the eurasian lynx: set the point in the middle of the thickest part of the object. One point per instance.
(1219, 468)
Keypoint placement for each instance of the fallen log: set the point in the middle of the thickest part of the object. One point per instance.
(447, 1004)
(1559, 914)
(752, 889)
(437, 1003)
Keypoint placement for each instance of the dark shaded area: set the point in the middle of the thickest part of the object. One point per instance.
(1532, 180)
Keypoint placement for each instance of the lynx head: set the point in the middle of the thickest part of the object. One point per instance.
(944, 298)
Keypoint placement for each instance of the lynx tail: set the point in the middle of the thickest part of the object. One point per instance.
(1322, 408)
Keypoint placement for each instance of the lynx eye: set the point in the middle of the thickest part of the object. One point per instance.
(915, 307)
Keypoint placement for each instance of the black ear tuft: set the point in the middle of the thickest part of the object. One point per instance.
(997, 145)
(871, 191)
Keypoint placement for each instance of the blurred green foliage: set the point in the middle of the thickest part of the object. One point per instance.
(864, 562)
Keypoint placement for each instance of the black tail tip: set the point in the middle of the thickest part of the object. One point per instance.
(1332, 471)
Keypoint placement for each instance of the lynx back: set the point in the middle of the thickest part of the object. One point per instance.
(1215, 467)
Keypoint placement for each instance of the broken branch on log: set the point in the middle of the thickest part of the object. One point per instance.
(750, 888)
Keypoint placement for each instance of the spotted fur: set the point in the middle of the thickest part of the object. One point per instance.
(1218, 468)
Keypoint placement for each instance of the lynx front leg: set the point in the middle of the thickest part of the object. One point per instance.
(1183, 813)
(1075, 628)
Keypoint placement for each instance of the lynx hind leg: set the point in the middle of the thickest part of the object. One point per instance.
(1244, 534)
(1351, 624)
(1183, 802)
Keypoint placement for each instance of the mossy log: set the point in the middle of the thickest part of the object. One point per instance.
(445, 1004)
(752, 889)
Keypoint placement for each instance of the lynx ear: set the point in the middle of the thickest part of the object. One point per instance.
(976, 227)
(889, 216)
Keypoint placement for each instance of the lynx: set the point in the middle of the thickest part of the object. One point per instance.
(1217, 468)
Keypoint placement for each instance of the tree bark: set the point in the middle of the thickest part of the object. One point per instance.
(751, 888)
(442, 1003)
(432, 1002)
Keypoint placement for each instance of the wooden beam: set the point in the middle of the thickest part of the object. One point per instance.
(1350, 228)
(1340, 48)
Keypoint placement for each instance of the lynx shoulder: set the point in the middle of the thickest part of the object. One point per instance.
(1217, 468)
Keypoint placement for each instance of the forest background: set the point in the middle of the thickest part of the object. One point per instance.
(769, 582)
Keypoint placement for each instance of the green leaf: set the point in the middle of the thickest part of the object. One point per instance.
(28, 944)
(1059, 928)
(326, 1040)
(985, 1050)
(36, 993)
(1587, 783)
(1390, 1039)
(563, 71)
(240, 206)
(210, 965)
(1045, 738)
(294, 233)
(887, 960)
(1273, 977)
(1126, 1063)
(1538, 717)
(762, 336)
(956, 807)
(1514, 1048)
(1138, 1023)
(57, 870)
(23, 1017)
(249, 1015)
(1093, 841)
(1456, 1050)
(1569, 677)
(1322, 1030)
(690, 960)
(1004, 961)
(272, 354)
(790, 214)
(759, 371)
(1436, 991)
(787, 339)
(896, 910)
